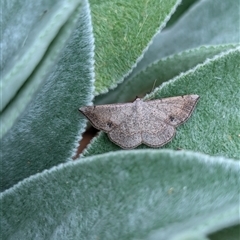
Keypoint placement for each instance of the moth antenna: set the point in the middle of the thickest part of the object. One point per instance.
(154, 84)
(153, 87)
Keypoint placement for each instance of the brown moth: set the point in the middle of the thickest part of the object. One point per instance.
(150, 122)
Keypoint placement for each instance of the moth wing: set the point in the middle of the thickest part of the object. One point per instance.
(157, 133)
(106, 117)
(128, 134)
(174, 110)
(162, 117)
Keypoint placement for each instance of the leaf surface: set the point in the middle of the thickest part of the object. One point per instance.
(124, 195)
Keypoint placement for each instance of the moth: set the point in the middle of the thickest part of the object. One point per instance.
(151, 122)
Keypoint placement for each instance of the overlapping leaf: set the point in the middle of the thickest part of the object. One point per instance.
(125, 195)
(47, 132)
(122, 30)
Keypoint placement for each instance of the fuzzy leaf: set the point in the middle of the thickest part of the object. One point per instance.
(214, 125)
(48, 131)
(207, 23)
(34, 27)
(122, 30)
(25, 95)
(124, 195)
(159, 72)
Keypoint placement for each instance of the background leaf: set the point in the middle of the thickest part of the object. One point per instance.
(122, 196)
(32, 84)
(48, 131)
(122, 30)
(161, 71)
(20, 58)
(207, 23)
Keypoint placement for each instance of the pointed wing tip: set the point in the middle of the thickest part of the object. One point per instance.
(195, 97)
(85, 109)
(82, 109)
